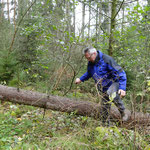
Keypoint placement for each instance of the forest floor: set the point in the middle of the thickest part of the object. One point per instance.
(29, 128)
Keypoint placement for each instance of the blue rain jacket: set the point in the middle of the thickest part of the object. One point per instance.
(105, 71)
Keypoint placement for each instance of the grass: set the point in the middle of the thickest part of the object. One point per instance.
(25, 128)
(29, 128)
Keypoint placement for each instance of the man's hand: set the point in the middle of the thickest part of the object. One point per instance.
(77, 81)
(122, 93)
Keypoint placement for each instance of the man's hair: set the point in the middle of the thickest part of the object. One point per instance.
(89, 50)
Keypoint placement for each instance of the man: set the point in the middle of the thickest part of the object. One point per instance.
(110, 79)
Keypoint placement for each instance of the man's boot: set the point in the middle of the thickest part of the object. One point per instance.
(124, 116)
(106, 123)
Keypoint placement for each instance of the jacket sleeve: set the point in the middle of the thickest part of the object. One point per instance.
(85, 76)
(116, 71)
(122, 80)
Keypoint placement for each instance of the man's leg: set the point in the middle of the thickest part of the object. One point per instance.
(105, 110)
(115, 97)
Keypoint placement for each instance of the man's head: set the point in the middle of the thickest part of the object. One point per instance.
(90, 53)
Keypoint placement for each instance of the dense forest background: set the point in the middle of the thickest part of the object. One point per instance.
(41, 43)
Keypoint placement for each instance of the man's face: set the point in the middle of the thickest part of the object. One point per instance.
(90, 57)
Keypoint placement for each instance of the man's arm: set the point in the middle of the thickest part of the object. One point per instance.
(122, 82)
(83, 78)
(77, 81)
(122, 93)
(117, 71)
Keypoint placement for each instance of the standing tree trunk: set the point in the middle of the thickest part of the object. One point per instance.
(68, 17)
(122, 24)
(112, 27)
(109, 15)
(83, 19)
(89, 23)
(106, 8)
(1, 11)
(14, 19)
(8, 11)
(99, 19)
(74, 17)
(96, 34)
(68, 21)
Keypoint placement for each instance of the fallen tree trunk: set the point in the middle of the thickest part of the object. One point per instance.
(66, 105)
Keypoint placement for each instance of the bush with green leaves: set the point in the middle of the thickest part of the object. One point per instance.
(8, 66)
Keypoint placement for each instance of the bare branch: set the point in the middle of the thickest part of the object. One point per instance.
(118, 9)
(16, 29)
(95, 9)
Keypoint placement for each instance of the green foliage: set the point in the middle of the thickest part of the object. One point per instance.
(8, 61)
(20, 78)
(8, 66)
(27, 49)
(148, 83)
(45, 57)
(23, 127)
(115, 138)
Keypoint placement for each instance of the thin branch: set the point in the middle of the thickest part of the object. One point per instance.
(124, 2)
(119, 9)
(116, 23)
(16, 29)
(130, 2)
(95, 9)
(74, 75)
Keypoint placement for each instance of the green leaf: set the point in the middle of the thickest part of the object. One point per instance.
(54, 27)
(133, 28)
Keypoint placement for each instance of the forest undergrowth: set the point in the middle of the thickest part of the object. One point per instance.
(29, 128)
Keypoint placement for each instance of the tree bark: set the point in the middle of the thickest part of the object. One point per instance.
(83, 18)
(89, 22)
(68, 17)
(123, 18)
(114, 13)
(112, 27)
(1, 11)
(62, 104)
(74, 17)
(8, 13)
(14, 15)
(99, 20)
(96, 39)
